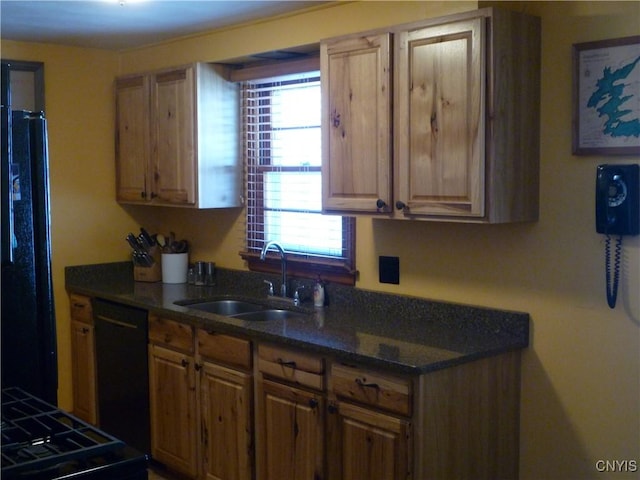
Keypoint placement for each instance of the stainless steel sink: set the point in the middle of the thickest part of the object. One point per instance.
(270, 314)
(243, 309)
(226, 307)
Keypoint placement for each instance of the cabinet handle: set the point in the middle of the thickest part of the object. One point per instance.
(185, 362)
(204, 434)
(198, 367)
(313, 403)
(285, 363)
(381, 204)
(362, 382)
(401, 205)
(335, 119)
(79, 305)
(143, 194)
(332, 408)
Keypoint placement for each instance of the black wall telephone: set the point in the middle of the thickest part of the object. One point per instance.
(617, 213)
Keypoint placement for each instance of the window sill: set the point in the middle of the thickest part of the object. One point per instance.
(302, 267)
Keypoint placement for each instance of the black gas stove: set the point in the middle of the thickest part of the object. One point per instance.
(42, 442)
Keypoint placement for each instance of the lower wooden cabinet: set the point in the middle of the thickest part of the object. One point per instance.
(83, 359)
(218, 415)
(291, 433)
(365, 444)
(172, 392)
(227, 423)
(172, 381)
(369, 424)
(201, 389)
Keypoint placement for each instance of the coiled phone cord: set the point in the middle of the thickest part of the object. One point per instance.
(612, 291)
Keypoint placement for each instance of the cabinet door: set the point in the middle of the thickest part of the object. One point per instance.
(226, 400)
(174, 136)
(84, 371)
(173, 409)
(132, 139)
(440, 131)
(365, 444)
(356, 124)
(291, 433)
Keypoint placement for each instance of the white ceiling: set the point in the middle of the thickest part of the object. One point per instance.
(120, 24)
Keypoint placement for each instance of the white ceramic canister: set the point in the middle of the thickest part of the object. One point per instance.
(175, 267)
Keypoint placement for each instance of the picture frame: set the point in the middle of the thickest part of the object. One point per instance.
(606, 97)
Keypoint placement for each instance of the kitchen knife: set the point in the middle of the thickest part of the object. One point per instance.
(133, 242)
(148, 238)
(140, 256)
(144, 243)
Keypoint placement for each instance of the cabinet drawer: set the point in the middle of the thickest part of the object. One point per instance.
(81, 308)
(223, 348)
(379, 390)
(292, 366)
(170, 333)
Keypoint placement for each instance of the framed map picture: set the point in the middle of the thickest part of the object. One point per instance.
(606, 97)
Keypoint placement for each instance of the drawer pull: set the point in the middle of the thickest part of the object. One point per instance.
(363, 383)
(285, 363)
(79, 305)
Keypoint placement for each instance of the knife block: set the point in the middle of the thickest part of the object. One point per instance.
(152, 273)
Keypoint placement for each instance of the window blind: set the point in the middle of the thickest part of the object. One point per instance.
(282, 147)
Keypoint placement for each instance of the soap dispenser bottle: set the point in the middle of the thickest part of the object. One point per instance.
(318, 293)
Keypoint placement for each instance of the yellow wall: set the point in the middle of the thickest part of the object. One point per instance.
(581, 375)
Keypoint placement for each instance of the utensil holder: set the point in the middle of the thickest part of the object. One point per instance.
(175, 267)
(152, 273)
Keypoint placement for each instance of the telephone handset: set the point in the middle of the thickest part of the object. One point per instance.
(617, 213)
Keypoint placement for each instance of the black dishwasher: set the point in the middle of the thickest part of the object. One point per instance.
(122, 372)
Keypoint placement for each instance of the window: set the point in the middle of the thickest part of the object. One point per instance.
(282, 148)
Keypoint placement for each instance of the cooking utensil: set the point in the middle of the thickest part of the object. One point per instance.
(169, 244)
(180, 246)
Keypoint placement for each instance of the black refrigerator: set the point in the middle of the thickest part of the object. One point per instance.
(28, 332)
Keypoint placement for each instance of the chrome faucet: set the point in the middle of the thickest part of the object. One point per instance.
(283, 263)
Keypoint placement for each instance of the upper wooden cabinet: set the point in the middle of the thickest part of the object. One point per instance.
(465, 136)
(177, 138)
(440, 95)
(356, 122)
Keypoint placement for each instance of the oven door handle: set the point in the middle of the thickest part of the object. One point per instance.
(118, 323)
(7, 186)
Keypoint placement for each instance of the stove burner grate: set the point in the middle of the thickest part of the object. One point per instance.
(34, 433)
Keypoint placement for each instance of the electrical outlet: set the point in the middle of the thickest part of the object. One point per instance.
(389, 269)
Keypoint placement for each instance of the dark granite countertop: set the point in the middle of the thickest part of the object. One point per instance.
(399, 333)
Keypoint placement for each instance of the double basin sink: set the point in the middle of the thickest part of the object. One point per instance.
(243, 310)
